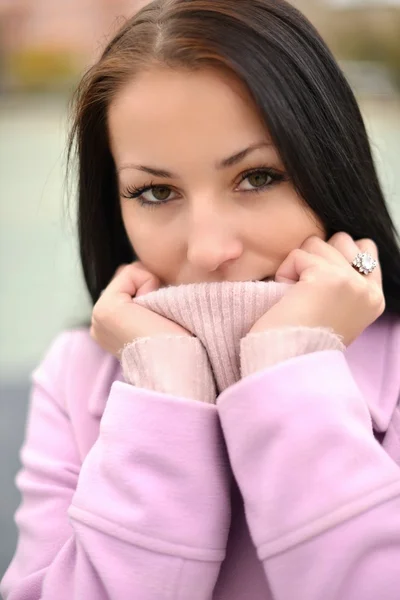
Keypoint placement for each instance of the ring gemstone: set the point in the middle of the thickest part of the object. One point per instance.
(365, 263)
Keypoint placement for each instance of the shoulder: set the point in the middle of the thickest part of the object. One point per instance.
(69, 347)
(73, 365)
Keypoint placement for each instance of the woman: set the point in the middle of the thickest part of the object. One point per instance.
(229, 426)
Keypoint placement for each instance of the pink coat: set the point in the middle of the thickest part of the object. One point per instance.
(133, 494)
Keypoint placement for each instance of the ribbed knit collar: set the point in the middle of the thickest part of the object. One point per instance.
(219, 315)
(373, 357)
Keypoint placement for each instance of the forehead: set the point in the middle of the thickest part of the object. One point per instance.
(182, 111)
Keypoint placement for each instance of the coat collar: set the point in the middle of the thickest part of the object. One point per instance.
(108, 372)
(374, 360)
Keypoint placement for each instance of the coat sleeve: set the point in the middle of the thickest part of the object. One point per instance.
(146, 515)
(322, 498)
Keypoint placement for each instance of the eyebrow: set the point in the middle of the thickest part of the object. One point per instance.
(223, 164)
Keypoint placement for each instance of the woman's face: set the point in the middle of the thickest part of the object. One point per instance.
(218, 205)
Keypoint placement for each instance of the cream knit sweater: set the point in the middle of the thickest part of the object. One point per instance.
(219, 315)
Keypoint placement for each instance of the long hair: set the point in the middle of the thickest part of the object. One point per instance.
(306, 103)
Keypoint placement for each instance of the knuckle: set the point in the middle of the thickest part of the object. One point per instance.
(134, 271)
(135, 266)
(119, 270)
(297, 252)
(341, 237)
(368, 242)
(99, 314)
(376, 297)
(123, 269)
(311, 242)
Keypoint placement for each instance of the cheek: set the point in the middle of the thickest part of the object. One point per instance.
(151, 240)
(299, 225)
(284, 227)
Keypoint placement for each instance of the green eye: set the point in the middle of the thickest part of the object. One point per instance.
(261, 179)
(161, 193)
(258, 179)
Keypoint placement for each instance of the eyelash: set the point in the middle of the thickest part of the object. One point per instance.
(135, 193)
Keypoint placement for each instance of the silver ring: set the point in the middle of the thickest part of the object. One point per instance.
(365, 263)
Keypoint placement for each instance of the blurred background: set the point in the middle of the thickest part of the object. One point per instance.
(44, 47)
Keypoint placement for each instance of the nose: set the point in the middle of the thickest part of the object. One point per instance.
(212, 243)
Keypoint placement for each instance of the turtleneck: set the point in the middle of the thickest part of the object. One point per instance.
(219, 316)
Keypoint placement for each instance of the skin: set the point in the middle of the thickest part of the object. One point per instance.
(215, 227)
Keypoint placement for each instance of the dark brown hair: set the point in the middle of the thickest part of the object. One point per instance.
(306, 102)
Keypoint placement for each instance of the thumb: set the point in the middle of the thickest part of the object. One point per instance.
(118, 271)
(150, 285)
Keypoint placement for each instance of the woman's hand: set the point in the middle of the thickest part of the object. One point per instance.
(328, 291)
(117, 321)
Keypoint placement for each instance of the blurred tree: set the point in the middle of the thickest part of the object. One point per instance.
(42, 69)
(367, 33)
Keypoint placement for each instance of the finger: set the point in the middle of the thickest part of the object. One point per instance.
(129, 280)
(114, 276)
(151, 285)
(327, 251)
(344, 245)
(296, 264)
(118, 271)
(349, 248)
